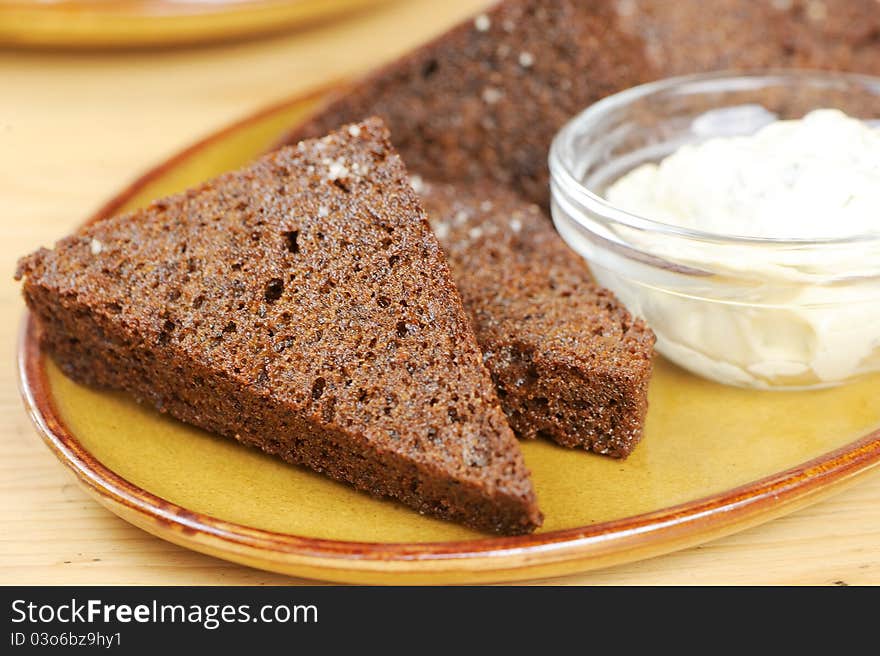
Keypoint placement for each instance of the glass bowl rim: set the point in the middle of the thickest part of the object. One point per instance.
(561, 175)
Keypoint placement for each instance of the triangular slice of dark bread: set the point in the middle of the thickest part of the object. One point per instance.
(483, 100)
(571, 364)
(301, 305)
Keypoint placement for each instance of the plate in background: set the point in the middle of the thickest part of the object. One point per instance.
(714, 460)
(148, 23)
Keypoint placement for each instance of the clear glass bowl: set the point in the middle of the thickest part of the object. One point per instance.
(756, 312)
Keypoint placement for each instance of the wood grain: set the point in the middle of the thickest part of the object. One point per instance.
(75, 128)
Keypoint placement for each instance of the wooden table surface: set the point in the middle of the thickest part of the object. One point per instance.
(75, 128)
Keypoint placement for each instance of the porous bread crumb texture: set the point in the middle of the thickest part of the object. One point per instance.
(569, 362)
(484, 100)
(302, 306)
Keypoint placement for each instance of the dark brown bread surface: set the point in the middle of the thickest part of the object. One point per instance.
(484, 100)
(688, 36)
(301, 305)
(569, 361)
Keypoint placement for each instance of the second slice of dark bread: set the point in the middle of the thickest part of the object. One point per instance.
(483, 100)
(303, 306)
(570, 363)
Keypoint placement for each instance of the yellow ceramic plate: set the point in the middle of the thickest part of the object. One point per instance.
(714, 460)
(140, 23)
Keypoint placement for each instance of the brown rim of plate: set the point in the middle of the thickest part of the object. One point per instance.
(731, 508)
